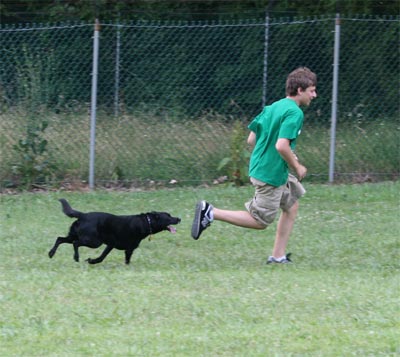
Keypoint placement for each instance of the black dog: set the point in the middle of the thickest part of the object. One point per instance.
(120, 232)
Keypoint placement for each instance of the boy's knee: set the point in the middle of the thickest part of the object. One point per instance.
(264, 219)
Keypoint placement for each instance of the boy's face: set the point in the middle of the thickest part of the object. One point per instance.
(306, 96)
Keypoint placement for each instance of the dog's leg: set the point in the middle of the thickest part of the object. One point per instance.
(128, 255)
(76, 244)
(59, 240)
(100, 258)
(129, 251)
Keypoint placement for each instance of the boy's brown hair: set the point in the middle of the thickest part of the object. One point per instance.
(301, 77)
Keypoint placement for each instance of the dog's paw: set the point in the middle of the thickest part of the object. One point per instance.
(51, 254)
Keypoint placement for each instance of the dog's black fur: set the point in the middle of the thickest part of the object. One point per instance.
(120, 232)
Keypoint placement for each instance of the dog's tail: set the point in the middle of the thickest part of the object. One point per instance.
(68, 210)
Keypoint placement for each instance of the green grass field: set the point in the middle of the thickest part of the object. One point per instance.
(211, 297)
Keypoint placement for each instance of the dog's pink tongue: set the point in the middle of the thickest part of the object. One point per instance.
(172, 229)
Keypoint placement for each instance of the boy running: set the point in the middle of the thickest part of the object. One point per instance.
(273, 135)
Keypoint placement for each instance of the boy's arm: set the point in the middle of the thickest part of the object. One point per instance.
(284, 149)
(251, 140)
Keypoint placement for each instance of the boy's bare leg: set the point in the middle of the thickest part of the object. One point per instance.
(284, 228)
(238, 218)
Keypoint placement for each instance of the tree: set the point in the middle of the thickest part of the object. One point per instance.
(20, 11)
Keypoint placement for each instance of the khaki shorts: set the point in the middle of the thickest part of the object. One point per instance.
(269, 199)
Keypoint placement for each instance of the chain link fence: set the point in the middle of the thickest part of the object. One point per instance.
(173, 100)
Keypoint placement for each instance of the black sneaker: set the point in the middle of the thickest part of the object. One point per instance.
(284, 260)
(202, 218)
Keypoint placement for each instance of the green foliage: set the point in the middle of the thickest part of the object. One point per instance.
(35, 80)
(228, 68)
(236, 165)
(31, 11)
(211, 297)
(217, 65)
(34, 166)
(34, 90)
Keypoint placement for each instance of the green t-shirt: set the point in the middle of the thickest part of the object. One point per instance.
(282, 119)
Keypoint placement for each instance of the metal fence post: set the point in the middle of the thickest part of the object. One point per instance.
(117, 71)
(265, 74)
(94, 103)
(334, 98)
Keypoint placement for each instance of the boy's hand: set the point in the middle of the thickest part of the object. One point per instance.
(301, 171)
